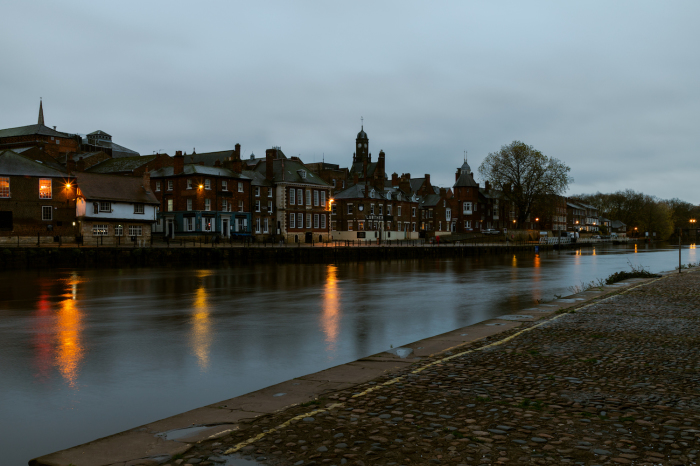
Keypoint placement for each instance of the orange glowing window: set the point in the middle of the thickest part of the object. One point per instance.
(4, 186)
(45, 188)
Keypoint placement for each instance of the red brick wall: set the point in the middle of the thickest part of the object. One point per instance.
(216, 195)
(53, 146)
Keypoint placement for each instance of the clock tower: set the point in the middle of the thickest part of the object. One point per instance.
(361, 147)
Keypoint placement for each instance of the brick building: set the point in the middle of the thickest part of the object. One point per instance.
(196, 200)
(35, 199)
(132, 166)
(469, 205)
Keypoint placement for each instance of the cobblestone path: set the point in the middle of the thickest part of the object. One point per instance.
(616, 382)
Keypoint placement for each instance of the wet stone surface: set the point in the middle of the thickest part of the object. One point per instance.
(616, 382)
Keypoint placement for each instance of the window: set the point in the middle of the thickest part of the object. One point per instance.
(269, 192)
(308, 197)
(257, 191)
(189, 204)
(269, 207)
(224, 185)
(467, 208)
(323, 221)
(207, 184)
(440, 226)
(388, 210)
(308, 221)
(350, 209)
(265, 225)
(257, 225)
(413, 213)
(343, 183)
(467, 224)
(170, 185)
(292, 220)
(189, 183)
(45, 188)
(105, 206)
(315, 198)
(240, 206)
(316, 221)
(406, 226)
(302, 173)
(349, 225)
(333, 180)
(46, 212)
(135, 230)
(413, 226)
(207, 204)
(138, 208)
(360, 225)
(333, 208)
(118, 230)
(189, 223)
(323, 198)
(448, 214)
(157, 186)
(292, 199)
(207, 224)
(240, 186)
(4, 186)
(300, 197)
(381, 210)
(257, 206)
(300, 220)
(99, 230)
(224, 205)
(398, 211)
(170, 205)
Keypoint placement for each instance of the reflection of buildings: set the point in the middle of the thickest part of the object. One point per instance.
(331, 309)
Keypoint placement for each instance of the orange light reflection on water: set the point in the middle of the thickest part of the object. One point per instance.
(330, 317)
(70, 350)
(201, 334)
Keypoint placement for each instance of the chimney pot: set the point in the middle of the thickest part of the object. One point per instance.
(178, 163)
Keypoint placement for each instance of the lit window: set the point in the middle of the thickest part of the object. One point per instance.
(45, 188)
(170, 205)
(207, 184)
(46, 212)
(4, 186)
(135, 230)
(207, 224)
(138, 208)
(99, 230)
(349, 225)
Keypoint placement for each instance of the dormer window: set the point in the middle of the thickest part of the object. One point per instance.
(302, 173)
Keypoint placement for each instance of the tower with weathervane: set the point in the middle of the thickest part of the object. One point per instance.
(361, 147)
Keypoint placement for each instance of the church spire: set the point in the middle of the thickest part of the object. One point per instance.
(41, 112)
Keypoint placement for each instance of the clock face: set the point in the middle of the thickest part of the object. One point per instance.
(361, 208)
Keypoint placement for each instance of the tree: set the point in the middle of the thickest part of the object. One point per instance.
(525, 176)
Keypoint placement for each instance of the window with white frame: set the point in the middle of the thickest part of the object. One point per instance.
(46, 212)
(170, 205)
(207, 184)
(224, 185)
(270, 191)
(350, 209)
(189, 183)
(157, 186)
(398, 210)
(99, 230)
(269, 207)
(138, 208)
(240, 186)
(300, 197)
(207, 204)
(170, 185)
(467, 224)
(316, 221)
(105, 206)
(224, 205)
(413, 226)
(323, 221)
(467, 208)
(292, 220)
(292, 197)
(316, 198)
(257, 206)
(265, 225)
(413, 212)
(135, 230)
(308, 197)
(323, 198)
(189, 223)
(118, 230)
(45, 190)
(240, 206)
(257, 225)
(300, 220)
(333, 182)
(448, 214)
(257, 191)
(381, 209)
(207, 224)
(371, 209)
(308, 221)
(334, 208)
(388, 210)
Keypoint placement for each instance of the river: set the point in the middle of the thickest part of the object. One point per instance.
(88, 353)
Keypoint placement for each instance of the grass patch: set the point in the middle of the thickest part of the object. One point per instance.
(637, 271)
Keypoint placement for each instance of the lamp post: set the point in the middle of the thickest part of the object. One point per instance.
(330, 216)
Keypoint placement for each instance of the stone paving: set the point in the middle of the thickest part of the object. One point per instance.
(614, 382)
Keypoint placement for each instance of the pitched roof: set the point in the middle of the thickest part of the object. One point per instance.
(416, 183)
(466, 180)
(290, 171)
(209, 158)
(102, 187)
(430, 200)
(195, 169)
(12, 163)
(258, 179)
(122, 164)
(31, 130)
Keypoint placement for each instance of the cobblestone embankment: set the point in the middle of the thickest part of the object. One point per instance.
(614, 382)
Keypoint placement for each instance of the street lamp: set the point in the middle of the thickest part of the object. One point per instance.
(330, 214)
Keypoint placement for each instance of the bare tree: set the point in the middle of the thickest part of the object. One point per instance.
(525, 176)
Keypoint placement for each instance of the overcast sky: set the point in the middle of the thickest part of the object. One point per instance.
(610, 88)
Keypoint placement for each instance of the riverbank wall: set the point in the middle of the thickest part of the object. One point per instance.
(60, 257)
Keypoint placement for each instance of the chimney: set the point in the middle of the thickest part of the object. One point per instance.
(269, 163)
(81, 165)
(427, 187)
(487, 186)
(178, 163)
(70, 164)
(443, 192)
(147, 180)
(237, 153)
(394, 179)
